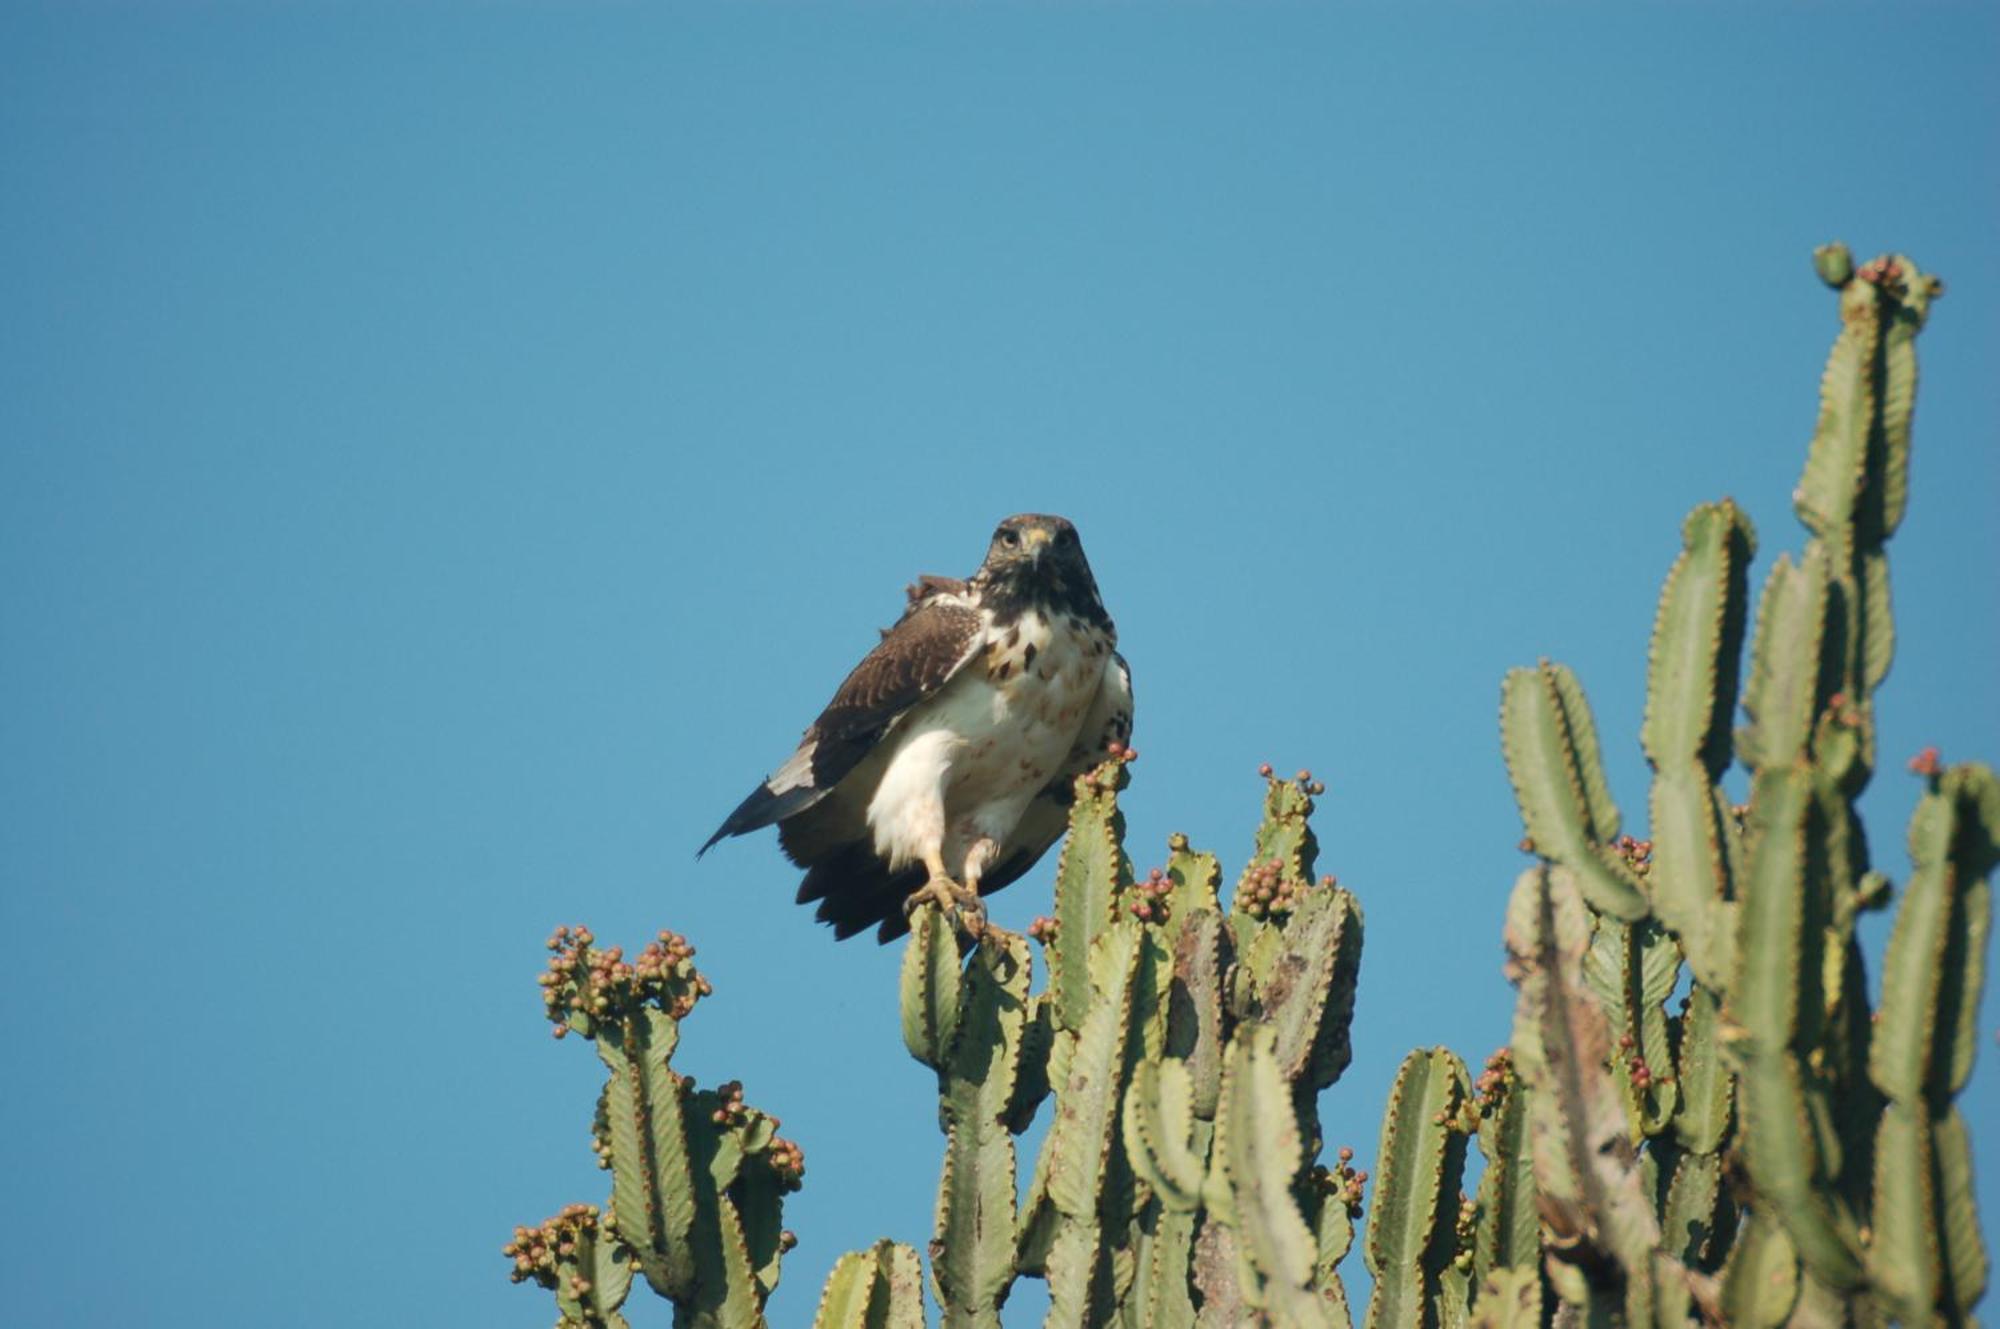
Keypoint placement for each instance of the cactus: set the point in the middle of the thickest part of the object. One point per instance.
(1507, 1228)
(1697, 640)
(1411, 1236)
(1595, 1213)
(974, 1263)
(580, 1259)
(1811, 1071)
(1842, 1123)
(698, 1178)
(879, 1288)
(931, 983)
(1146, 1200)
(1770, 1152)
(1928, 1256)
(1551, 746)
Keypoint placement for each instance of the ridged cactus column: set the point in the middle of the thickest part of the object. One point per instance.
(1798, 994)
(1774, 1058)
(698, 1178)
(1928, 1256)
(1596, 1215)
(1184, 1048)
(1412, 1240)
(967, 1024)
(879, 1288)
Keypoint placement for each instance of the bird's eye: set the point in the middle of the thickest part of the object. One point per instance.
(1008, 536)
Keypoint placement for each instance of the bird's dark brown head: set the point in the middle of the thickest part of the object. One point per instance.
(1038, 559)
(1026, 542)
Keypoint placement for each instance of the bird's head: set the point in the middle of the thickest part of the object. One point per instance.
(1037, 559)
(1033, 546)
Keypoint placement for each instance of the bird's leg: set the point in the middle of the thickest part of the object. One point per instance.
(977, 859)
(961, 902)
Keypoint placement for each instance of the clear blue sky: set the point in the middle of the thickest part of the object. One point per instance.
(447, 453)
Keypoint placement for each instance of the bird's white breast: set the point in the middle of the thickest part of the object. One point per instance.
(968, 761)
(1027, 700)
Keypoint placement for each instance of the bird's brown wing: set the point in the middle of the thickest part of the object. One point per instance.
(930, 643)
(936, 636)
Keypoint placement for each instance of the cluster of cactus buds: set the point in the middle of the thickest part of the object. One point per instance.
(1109, 776)
(1495, 1079)
(578, 1256)
(1304, 780)
(1842, 712)
(788, 1160)
(584, 986)
(729, 1109)
(1638, 854)
(1265, 890)
(1897, 279)
(1344, 1181)
(1464, 1232)
(1927, 764)
(1150, 900)
(537, 1251)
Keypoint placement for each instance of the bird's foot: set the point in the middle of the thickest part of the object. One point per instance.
(960, 903)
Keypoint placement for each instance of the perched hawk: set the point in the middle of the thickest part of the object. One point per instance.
(942, 768)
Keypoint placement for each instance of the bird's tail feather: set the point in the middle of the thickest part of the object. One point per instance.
(761, 809)
(856, 890)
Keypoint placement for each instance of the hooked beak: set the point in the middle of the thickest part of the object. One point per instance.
(1036, 539)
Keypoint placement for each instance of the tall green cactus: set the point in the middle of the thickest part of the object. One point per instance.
(1928, 1254)
(698, 1178)
(1691, 695)
(1775, 1059)
(1771, 1151)
(579, 1258)
(1806, 1044)
(1148, 1206)
(1412, 1237)
(879, 1288)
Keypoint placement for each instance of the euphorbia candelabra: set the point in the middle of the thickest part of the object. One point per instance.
(1771, 1151)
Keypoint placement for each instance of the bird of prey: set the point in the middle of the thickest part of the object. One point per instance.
(943, 767)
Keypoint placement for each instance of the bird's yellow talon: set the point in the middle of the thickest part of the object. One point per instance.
(961, 903)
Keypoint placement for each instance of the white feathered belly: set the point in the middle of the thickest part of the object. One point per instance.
(967, 763)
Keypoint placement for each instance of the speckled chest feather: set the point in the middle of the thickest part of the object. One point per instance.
(1041, 673)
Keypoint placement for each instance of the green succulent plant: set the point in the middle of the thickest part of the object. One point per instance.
(1770, 1149)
